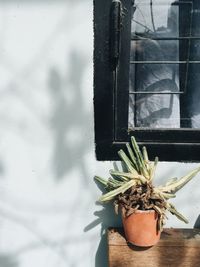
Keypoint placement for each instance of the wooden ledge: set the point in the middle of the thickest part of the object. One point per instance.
(176, 248)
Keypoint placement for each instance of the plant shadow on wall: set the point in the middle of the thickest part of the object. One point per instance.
(69, 122)
(107, 218)
(69, 118)
(7, 261)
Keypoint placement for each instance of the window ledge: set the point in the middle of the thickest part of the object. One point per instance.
(177, 247)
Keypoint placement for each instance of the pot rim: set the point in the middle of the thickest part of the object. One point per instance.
(144, 211)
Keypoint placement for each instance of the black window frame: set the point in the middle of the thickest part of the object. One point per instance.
(111, 124)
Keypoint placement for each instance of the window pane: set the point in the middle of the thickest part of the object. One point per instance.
(156, 78)
(194, 50)
(155, 19)
(165, 65)
(154, 95)
(159, 50)
(192, 107)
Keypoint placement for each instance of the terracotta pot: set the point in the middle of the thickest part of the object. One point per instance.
(141, 228)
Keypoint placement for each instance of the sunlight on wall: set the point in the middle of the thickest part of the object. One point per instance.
(45, 114)
(48, 215)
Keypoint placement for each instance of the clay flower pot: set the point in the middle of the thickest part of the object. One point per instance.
(141, 228)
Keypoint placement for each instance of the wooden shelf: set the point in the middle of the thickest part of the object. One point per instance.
(176, 248)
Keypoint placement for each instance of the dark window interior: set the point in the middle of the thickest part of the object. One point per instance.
(147, 77)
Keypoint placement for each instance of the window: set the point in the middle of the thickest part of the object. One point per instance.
(147, 77)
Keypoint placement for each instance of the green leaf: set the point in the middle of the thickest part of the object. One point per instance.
(172, 181)
(177, 185)
(137, 150)
(120, 175)
(173, 211)
(153, 169)
(127, 161)
(115, 182)
(168, 195)
(145, 154)
(140, 159)
(110, 195)
(129, 176)
(131, 154)
(101, 180)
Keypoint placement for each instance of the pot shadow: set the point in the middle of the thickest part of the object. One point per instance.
(136, 248)
(107, 218)
(69, 118)
(7, 260)
(101, 258)
(197, 222)
(196, 261)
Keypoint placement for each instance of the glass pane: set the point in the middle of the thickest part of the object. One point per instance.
(195, 29)
(165, 64)
(154, 111)
(159, 50)
(154, 95)
(191, 110)
(157, 78)
(156, 19)
(194, 50)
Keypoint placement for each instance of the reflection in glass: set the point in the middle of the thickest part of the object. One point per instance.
(143, 23)
(163, 85)
(155, 110)
(159, 50)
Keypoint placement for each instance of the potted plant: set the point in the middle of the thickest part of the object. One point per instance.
(143, 206)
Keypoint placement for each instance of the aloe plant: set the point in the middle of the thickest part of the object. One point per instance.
(133, 189)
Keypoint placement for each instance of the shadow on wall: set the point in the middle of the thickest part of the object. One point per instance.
(7, 261)
(107, 218)
(69, 118)
(197, 223)
(41, 1)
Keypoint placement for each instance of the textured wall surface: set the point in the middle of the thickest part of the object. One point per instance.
(48, 215)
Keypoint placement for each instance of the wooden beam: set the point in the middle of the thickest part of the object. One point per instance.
(176, 248)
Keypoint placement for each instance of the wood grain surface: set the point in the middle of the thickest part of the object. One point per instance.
(176, 248)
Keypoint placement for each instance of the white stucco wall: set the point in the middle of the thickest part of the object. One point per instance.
(48, 216)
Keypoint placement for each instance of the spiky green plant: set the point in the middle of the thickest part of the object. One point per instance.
(133, 189)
